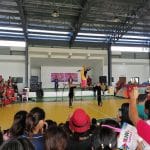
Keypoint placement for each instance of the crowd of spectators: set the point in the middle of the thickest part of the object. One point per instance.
(7, 90)
(30, 130)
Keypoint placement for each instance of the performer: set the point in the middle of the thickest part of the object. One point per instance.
(89, 81)
(99, 99)
(56, 83)
(70, 80)
(83, 73)
(71, 94)
(103, 87)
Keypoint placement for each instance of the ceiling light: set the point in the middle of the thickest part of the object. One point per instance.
(55, 13)
(116, 19)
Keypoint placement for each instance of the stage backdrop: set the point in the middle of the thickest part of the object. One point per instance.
(49, 73)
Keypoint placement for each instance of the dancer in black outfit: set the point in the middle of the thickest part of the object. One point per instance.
(56, 84)
(71, 94)
(99, 99)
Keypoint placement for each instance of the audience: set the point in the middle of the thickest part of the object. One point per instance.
(79, 124)
(140, 105)
(106, 136)
(34, 127)
(123, 115)
(143, 128)
(147, 109)
(93, 125)
(7, 91)
(18, 126)
(1, 136)
(17, 144)
(30, 131)
(56, 139)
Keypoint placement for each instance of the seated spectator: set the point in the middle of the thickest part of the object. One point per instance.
(34, 127)
(110, 122)
(8, 94)
(79, 124)
(56, 139)
(93, 125)
(106, 136)
(65, 127)
(147, 109)
(18, 126)
(140, 105)
(1, 136)
(15, 87)
(148, 92)
(17, 144)
(143, 128)
(49, 124)
(123, 114)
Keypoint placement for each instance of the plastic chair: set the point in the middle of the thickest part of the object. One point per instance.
(25, 94)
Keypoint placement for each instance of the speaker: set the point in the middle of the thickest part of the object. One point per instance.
(112, 79)
(103, 79)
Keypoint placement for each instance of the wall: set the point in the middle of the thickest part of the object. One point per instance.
(13, 66)
(128, 68)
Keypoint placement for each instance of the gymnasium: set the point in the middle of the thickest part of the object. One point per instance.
(44, 43)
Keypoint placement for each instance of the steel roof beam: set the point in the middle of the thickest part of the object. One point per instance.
(79, 21)
(130, 21)
(25, 31)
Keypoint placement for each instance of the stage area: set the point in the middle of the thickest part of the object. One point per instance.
(62, 94)
(59, 111)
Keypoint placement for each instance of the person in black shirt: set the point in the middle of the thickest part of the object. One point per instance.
(99, 99)
(56, 83)
(71, 94)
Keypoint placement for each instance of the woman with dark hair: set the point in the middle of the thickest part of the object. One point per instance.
(105, 138)
(56, 139)
(18, 126)
(147, 108)
(34, 127)
(17, 144)
(123, 115)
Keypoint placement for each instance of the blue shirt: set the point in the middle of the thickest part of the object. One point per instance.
(37, 140)
(141, 113)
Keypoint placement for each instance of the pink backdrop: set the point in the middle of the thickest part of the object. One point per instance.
(63, 77)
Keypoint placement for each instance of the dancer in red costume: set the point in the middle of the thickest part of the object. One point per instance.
(83, 73)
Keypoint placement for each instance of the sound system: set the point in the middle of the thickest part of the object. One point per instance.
(103, 79)
(112, 79)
